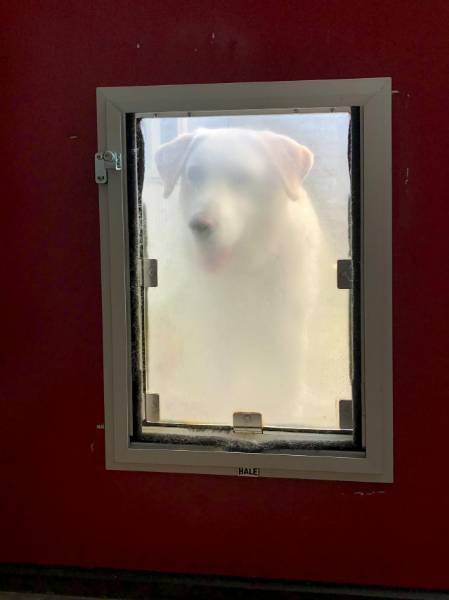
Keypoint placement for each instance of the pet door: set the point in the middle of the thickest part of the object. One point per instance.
(246, 277)
(244, 239)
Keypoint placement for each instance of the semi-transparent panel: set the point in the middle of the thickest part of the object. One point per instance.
(247, 217)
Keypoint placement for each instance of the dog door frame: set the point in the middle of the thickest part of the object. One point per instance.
(373, 97)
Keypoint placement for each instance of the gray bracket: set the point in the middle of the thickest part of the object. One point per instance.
(152, 409)
(105, 161)
(344, 274)
(247, 422)
(147, 273)
(345, 414)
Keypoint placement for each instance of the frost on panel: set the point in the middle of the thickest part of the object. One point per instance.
(247, 217)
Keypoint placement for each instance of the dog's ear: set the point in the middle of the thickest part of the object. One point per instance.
(291, 160)
(170, 159)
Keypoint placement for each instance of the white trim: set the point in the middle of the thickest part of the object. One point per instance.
(374, 97)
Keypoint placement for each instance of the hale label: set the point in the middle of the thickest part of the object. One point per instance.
(248, 472)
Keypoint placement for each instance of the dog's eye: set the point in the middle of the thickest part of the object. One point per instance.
(196, 175)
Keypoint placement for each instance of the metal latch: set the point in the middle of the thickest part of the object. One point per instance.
(147, 273)
(344, 274)
(247, 422)
(103, 162)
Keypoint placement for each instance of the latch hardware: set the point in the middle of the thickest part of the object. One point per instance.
(105, 161)
(247, 422)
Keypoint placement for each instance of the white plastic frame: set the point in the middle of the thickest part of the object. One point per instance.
(373, 96)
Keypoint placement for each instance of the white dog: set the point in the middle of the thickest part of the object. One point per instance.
(235, 335)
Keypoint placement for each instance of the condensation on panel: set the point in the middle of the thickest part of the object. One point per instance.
(247, 217)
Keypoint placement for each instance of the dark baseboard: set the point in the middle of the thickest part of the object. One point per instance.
(140, 585)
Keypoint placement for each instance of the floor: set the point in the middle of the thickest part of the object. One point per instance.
(29, 596)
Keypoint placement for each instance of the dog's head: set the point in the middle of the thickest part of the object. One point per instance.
(235, 184)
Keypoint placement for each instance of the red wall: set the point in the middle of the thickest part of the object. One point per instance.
(58, 505)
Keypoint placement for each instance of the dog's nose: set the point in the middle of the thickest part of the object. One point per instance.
(201, 226)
